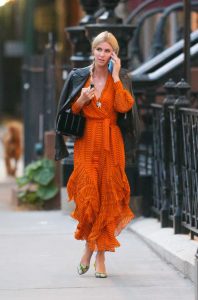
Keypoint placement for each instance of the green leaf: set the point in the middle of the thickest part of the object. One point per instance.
(47, 192)
(47, 163)
(21, 194)
(43, 176)
(32, 167)
(31, 197)
(23, 180)
(41, 171)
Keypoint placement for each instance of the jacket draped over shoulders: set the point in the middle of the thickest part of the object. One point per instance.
(128, 122)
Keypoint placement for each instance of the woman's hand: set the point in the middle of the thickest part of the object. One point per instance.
(86, 96)
(116, 67)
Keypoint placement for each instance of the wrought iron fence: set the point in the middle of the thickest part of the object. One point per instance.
(157, 159)
(175, 160)
(189, 118)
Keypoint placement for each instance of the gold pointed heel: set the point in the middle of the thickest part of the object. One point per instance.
(82, 269)
(99, 274)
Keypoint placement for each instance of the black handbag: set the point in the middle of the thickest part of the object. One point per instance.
(70, 124)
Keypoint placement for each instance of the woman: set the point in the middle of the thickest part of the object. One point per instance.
(98, 184)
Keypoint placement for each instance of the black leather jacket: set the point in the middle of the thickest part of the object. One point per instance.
(128, 122)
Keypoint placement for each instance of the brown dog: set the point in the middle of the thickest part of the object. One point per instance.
(12, 142)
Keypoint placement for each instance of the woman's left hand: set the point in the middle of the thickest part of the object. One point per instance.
(116, 67)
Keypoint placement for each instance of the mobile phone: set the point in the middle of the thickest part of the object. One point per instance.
(91, 86)
(110, 66)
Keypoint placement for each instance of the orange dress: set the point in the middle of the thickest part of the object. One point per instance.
(98, 184)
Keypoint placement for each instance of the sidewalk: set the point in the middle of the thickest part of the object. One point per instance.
(38, 259)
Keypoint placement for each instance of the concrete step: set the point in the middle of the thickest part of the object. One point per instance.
(177, 249)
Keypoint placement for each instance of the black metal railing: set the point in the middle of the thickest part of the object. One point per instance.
(189, 122)
(172, 164)
(157, 159)
(175, 160)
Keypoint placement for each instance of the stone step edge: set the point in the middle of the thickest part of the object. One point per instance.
(178, 250)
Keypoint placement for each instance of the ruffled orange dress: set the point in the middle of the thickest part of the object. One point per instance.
(98, 184)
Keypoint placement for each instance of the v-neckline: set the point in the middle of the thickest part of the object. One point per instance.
(104, 88)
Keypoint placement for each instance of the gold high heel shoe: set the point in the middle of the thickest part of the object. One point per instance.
(82, 269)
(99, 274)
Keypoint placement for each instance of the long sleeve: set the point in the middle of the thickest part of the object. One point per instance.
(123, 99)
(76, 108)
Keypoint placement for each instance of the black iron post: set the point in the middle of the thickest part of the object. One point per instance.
(182, 101)
(169, 100)
(109, 15)
(187, 30)
(110, 22)
(80, 43)
(90, 7)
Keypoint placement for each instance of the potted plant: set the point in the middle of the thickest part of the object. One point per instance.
(36, 187)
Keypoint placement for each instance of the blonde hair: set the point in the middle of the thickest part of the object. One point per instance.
(104, 36)
(108, 37)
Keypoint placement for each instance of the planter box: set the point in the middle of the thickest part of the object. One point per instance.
(51, 204)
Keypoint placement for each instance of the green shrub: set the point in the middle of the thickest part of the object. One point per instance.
(37, 184)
